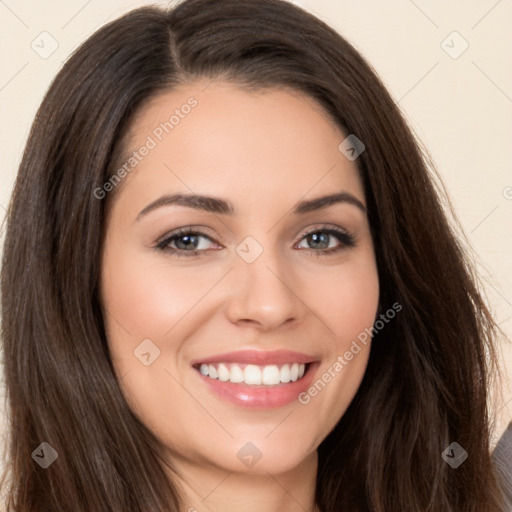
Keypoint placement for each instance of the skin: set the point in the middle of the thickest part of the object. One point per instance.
(263, 152)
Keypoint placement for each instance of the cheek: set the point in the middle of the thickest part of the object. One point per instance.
(346, 299)
(149, 299)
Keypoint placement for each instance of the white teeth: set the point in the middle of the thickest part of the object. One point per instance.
(236, 374)
(294, 372)
(212, 371)
(252, 374)
(223, 372)
(270, 375)
(285, 373)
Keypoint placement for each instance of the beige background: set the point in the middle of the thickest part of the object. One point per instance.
(460, 106)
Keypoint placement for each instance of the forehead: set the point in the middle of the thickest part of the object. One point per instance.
(220, 139)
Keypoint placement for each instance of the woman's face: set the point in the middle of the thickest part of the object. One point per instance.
(235, 343)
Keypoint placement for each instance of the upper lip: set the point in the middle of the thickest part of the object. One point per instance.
(257, 357)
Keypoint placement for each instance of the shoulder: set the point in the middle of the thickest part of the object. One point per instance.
(502, 460)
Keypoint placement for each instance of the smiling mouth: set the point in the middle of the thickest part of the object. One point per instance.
(254, 375)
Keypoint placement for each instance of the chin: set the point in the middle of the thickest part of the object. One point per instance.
(263, 455)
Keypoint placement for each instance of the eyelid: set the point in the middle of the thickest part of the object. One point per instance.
(331, 229)
(324, 227)
(347, 239)
(191, 229)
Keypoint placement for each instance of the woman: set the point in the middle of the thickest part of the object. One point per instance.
(323, 345)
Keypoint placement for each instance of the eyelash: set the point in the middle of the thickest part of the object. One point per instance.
(347, 240)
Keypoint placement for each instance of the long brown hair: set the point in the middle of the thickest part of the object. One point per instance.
(427, 380)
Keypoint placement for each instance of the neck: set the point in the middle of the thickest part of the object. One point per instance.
(212, 489)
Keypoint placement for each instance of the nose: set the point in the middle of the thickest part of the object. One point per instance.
(262, 293)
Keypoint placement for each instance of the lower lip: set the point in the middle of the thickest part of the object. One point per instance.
(261, 397)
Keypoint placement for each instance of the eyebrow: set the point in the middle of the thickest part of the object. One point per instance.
(223, 207)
